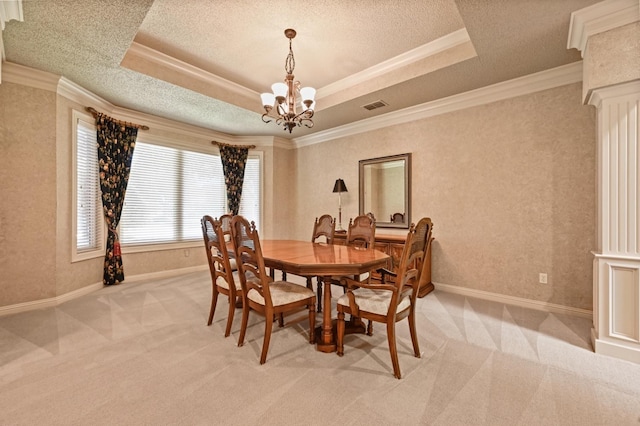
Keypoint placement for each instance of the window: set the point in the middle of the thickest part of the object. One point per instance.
(170, 189)
(88, 222)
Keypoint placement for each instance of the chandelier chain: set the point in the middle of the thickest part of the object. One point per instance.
(290, 62)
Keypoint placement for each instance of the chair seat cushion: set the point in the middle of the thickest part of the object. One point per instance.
(221, 282)
(282, 292)
(375, 301)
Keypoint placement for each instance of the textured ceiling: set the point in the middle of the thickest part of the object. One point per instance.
(354, 52)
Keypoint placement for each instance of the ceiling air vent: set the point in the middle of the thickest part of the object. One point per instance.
(375, 105)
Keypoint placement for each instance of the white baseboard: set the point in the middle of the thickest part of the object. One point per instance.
(49, 302)
(55, 301)
(166, 274)
(613, 349)
(516, 301)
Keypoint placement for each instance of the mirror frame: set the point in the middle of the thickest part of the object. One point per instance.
(407, 188)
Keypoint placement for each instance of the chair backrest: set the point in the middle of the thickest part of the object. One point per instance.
(361, 231)
(422, 262)
(325, 226)
(413, 255)
(217, 250)
(225, 222)
(397, 218)
(246, 243)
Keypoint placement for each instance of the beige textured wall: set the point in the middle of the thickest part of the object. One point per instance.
(620, 46)
(510, 187)
(281, 189)
(27, 194)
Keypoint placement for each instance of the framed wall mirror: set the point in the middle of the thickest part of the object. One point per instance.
(385, 190)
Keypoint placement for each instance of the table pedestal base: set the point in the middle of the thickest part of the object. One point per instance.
(354, 325)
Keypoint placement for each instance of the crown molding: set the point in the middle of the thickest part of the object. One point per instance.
(157, 125)
(436, 46)
(31, 77)
(598, 18)
(18, 74)
(160, 59)
(74, 92)
(556, 77)
(560, 76)
(263, 141)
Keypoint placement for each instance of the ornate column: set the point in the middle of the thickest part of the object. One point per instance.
(608, 35)
(616, 276)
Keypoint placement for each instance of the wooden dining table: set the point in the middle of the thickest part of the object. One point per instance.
(324, 260)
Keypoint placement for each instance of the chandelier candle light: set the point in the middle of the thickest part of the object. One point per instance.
(284, 97)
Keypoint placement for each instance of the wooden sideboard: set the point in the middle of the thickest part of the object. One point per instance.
(393, 246)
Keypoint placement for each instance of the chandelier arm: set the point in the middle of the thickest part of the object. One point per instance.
(266, 115)
(307, 114)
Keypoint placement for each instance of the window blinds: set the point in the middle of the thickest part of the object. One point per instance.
(88, 204)
(171, 189)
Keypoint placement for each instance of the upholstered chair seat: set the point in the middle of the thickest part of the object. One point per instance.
(376, 301)
(282, 292)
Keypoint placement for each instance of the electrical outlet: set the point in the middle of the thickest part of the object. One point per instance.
(543, 278)
(186, 253)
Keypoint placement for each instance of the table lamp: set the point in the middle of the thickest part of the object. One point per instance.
(339, 187)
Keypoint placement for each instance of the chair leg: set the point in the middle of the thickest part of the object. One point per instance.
(214, 302)
(243, 326)
(393, 350)
(370, 328)
(309, 285)
(340, 336)
(281, 320)
(414, 335)
(268, 326)
(232, 310)
(319, 293)
(312, 323)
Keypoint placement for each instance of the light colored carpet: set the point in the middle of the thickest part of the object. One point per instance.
(141, 353)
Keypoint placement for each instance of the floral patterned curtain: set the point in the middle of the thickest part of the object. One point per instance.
(234, 159)
(116, 142)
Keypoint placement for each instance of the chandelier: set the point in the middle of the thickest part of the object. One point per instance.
(286, 95)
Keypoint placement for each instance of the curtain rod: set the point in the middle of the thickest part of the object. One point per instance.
(126, 123)
(234, 146)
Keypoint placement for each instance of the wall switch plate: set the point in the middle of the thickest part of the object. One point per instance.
(543, 278)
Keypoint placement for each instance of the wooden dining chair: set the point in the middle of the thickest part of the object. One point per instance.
(361, 233)
(222, 277)
(324, 229)
(397, 218)
(269, 298)
(388, 303)
(225, 224)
